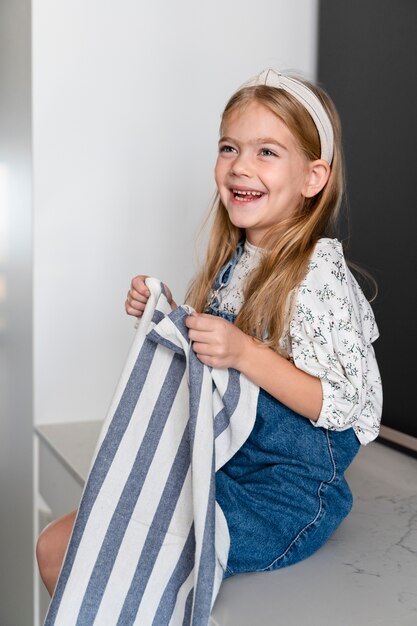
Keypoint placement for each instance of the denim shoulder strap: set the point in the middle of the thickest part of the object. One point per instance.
(224, 277)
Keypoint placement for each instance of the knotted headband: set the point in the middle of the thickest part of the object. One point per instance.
(308, 99)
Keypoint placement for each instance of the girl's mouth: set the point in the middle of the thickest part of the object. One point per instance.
(246, 196)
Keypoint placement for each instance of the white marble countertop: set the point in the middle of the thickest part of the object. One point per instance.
(366, 575)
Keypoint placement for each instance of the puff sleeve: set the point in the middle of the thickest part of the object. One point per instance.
(331, 331)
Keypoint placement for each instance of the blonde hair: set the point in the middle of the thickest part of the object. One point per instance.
(290, 243)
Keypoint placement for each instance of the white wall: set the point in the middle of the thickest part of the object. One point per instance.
(126, 103)
(127, 98)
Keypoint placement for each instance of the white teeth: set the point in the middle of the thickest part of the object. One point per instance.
(247, 193)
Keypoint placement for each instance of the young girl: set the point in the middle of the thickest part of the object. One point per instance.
(276, 301)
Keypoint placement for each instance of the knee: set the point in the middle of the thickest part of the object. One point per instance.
(51, 547)
(43, 549)
(47, 558)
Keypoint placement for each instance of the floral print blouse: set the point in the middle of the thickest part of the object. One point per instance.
(329, 331)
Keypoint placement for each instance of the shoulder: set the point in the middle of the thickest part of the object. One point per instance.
(329, 289)
(327, 277)
(327, 262)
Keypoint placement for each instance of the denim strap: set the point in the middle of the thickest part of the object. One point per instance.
(223, 279)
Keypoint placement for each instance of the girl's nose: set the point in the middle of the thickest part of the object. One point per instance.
(241, 166)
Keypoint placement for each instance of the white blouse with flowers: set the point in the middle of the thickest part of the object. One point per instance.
(328, 333)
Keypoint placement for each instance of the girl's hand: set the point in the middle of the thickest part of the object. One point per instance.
(220, 344)
(138, 295)
(217, 342)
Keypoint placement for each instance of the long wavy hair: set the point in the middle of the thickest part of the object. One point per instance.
(288, 244)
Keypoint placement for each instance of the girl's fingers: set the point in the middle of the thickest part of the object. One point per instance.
(204, 323)
(137, 306)
(135, 303)
(138, 285)
(135, 296)
(199, 336)
(204, 349)
(133, 311)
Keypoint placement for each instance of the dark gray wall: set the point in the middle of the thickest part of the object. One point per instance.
(368, 64)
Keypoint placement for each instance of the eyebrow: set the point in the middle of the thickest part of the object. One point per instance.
(258, 140)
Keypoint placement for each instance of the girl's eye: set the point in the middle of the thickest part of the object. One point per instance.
(227, 149)
(267, 152)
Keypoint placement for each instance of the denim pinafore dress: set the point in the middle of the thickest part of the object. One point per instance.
(284, 492)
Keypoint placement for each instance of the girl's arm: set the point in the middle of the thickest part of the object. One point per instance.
(298, 390)
(219, 343)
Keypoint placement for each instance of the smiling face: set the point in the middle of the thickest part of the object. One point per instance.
(261, 173)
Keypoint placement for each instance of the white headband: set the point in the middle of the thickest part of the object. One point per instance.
(308, 99)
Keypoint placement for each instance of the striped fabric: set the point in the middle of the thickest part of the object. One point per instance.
(150, 543)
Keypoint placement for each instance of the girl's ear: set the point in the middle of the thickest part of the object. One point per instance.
(317, 177)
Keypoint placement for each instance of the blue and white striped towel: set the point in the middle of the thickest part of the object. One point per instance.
(150, 543)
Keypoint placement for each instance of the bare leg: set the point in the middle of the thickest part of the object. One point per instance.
(51, 547)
